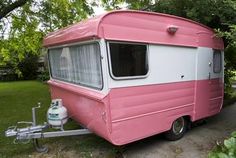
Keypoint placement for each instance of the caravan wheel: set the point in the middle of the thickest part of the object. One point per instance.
(178, 129)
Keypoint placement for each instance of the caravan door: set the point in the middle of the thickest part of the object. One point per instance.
(209, 82)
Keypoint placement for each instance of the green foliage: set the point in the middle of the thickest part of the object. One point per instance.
(23, 40)
(7, 73)
(230, 56)
(62, 13)
(229, 75)
(227, 149)
(43, 76)
(29, 67)
(28, 25)
(112, 4)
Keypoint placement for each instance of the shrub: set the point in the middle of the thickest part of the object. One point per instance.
(227, 149)
(29, 67)
(43, 76)
(7, 73)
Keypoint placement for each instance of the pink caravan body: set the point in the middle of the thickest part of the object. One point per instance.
(148, 76)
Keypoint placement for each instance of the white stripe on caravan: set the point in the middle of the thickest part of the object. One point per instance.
(168, 63)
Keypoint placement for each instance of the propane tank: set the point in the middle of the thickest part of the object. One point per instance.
(57, 114)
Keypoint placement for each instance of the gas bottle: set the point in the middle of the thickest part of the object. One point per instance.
(57, 114)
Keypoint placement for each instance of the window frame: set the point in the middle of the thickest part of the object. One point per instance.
(214, 52)
(77, 44)
(126, 77)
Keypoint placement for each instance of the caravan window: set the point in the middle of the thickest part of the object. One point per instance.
(217, 61)
(80, 64)
(128, 60)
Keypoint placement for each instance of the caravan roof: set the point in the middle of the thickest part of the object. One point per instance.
(137, 26)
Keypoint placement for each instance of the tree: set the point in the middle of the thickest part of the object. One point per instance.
(28, 24)
(62, 13)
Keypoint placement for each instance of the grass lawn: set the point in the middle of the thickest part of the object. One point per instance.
(16, 101)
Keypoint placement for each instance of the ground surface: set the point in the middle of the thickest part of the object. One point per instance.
(17, 98)
(195, 144)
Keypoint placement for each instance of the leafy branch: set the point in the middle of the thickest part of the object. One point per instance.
(7, 8)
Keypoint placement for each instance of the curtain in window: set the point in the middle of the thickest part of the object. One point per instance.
(86, 65)
(54, 60)
(79, 64)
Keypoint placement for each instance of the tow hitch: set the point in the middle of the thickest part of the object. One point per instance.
(33, 132)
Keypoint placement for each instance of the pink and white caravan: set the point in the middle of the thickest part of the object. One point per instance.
(127, 75)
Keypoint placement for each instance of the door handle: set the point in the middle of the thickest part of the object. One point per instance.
(209, 75)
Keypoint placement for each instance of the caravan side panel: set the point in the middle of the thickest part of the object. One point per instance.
(139, 112)
(85, 106)
(148, 106)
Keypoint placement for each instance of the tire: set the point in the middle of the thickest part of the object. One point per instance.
(178, 129)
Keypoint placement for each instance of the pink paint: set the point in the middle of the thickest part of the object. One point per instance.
(84, 106)
(127, 114)
(209, 97)
(137, 26)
